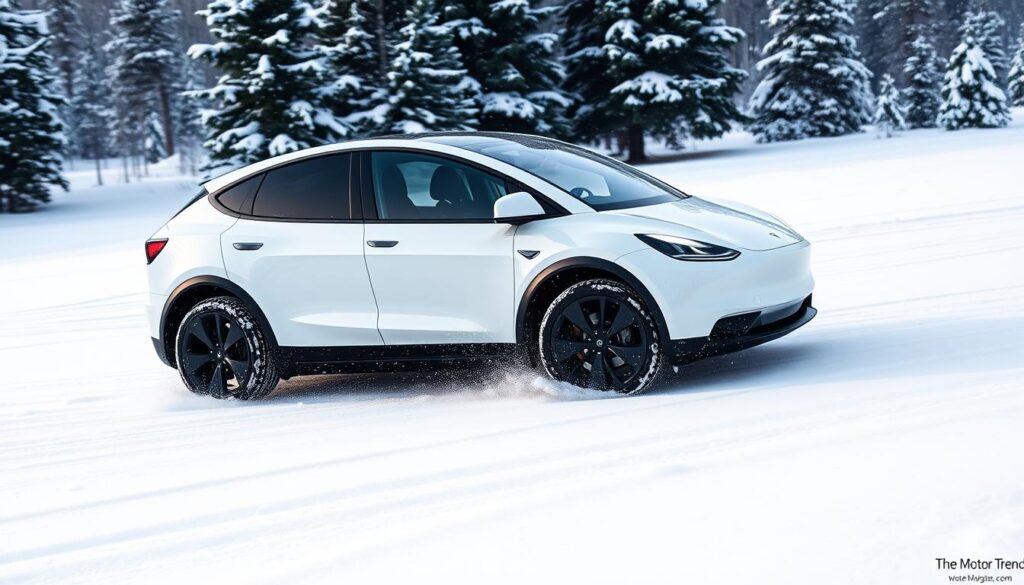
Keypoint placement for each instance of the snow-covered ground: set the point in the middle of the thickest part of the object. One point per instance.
(886, 433)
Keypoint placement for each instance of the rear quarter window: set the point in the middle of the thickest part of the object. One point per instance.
(314, 189)
(238, 198)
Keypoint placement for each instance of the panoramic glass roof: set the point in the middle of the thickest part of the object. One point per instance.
(597, 180)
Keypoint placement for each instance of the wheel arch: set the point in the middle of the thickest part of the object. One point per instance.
(562, 274)
(196, 289)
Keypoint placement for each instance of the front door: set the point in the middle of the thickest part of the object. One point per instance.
(298, 251)
(441, 269)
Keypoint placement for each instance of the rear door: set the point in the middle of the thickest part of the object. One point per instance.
(298, 251)
(441, 269)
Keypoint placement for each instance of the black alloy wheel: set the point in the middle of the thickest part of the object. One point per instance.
(222, 353)
(598, 334)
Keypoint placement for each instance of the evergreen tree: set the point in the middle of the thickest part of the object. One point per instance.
(351, 84)
(924, 81)
(145, 66)
(92, 109)
(65, 24)
(890, 115)
(1017, 72)
(128, 125)
(267, 100)
(901, 22)
(970, 97)
(513, 73)
(814, 81)
(423, 82)
(30, 127)
(65, 28)
(153, 139)
(869, 31)
(986, 26)
(657, 69)
(187, 120)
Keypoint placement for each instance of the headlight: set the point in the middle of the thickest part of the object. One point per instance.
(687, 249)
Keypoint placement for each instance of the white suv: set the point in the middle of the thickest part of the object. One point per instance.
(413, 251)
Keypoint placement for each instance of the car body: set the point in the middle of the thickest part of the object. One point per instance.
(386, 253)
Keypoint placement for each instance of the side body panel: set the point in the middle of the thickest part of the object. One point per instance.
(309, 278)
(443, 283)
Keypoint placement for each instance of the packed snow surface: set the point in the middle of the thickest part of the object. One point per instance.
(884, 434)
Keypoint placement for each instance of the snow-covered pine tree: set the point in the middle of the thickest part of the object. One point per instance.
(30, 127)
(127, 126)
(890, 115)
(153, 139)
(986, 26)
(1016, 84)
(868, 31)
(65, 28)
(424, 78)
(144, 60)
(92, 109)
(970, 97)
(814, 81)
(266, 101)
(924, 81)
(65, 24)
(351, 85)
(650, 69)
(900, 22)
(187, 120)
(513, 71)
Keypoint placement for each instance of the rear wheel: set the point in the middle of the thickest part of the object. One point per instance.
(223, 352)
(598, 334)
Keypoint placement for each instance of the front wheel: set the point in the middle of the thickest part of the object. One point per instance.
(222, 352)
(598, 334)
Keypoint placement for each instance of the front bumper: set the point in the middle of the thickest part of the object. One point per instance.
(741, 331)
(693, 296)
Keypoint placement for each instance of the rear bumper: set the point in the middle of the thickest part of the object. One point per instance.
(158, 345)
(742, 331)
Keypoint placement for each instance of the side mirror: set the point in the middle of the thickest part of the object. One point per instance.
(517, 208)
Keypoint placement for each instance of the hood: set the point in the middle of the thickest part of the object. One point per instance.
(747, 228)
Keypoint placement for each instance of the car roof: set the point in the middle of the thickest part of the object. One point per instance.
(441, 141)
(458, 144)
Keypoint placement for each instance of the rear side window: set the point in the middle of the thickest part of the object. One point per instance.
(315, 189)
(239, 197)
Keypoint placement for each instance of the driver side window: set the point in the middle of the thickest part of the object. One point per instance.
(411, 186)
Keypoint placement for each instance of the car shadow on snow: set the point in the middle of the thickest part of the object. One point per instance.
(487, 381)
(835, 353)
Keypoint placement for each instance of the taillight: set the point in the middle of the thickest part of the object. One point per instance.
(153, 248)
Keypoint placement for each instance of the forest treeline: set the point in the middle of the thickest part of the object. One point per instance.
(228, 82)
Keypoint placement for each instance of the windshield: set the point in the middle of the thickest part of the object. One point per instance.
(599, 181)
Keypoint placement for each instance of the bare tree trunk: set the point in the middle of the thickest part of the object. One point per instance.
(124, 159)
(165, 119)
(636, 144)
(99, 173)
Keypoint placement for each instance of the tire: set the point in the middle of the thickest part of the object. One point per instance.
(218, 338)
(579, 348)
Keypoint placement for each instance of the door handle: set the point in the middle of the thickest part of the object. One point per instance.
(244, 246)
(381, 243)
